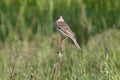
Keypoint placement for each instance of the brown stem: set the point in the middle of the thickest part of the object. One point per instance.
(56, 65)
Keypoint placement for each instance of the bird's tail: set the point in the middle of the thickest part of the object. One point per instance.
(76, 44)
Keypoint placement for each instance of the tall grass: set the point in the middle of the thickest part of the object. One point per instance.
(28, 40)
(22, 19)
(98, 60)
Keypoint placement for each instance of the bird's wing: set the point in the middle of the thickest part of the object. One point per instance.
(65, 28)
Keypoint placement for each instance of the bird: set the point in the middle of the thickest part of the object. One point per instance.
(65, 32)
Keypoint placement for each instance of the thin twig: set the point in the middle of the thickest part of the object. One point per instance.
(57, 62)
(13, 74)
(56, 65)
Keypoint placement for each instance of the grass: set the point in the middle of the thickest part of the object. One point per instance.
(29, 42)
(85, 17)
(98, 60)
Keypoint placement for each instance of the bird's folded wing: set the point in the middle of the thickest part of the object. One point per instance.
(65, 28)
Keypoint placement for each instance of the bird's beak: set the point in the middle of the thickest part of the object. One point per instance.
(61, 17)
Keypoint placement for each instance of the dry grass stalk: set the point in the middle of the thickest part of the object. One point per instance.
(56, 64)
(13, 74)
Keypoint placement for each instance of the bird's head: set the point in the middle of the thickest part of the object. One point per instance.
(60, 18)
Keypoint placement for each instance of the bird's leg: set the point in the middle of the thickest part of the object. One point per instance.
(62, 40)
(62, 43)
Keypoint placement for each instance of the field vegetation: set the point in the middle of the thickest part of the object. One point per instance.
(29, 41)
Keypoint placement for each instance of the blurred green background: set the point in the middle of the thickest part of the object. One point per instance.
(27, 31)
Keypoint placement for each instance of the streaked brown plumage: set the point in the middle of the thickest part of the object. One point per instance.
(65, 31)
